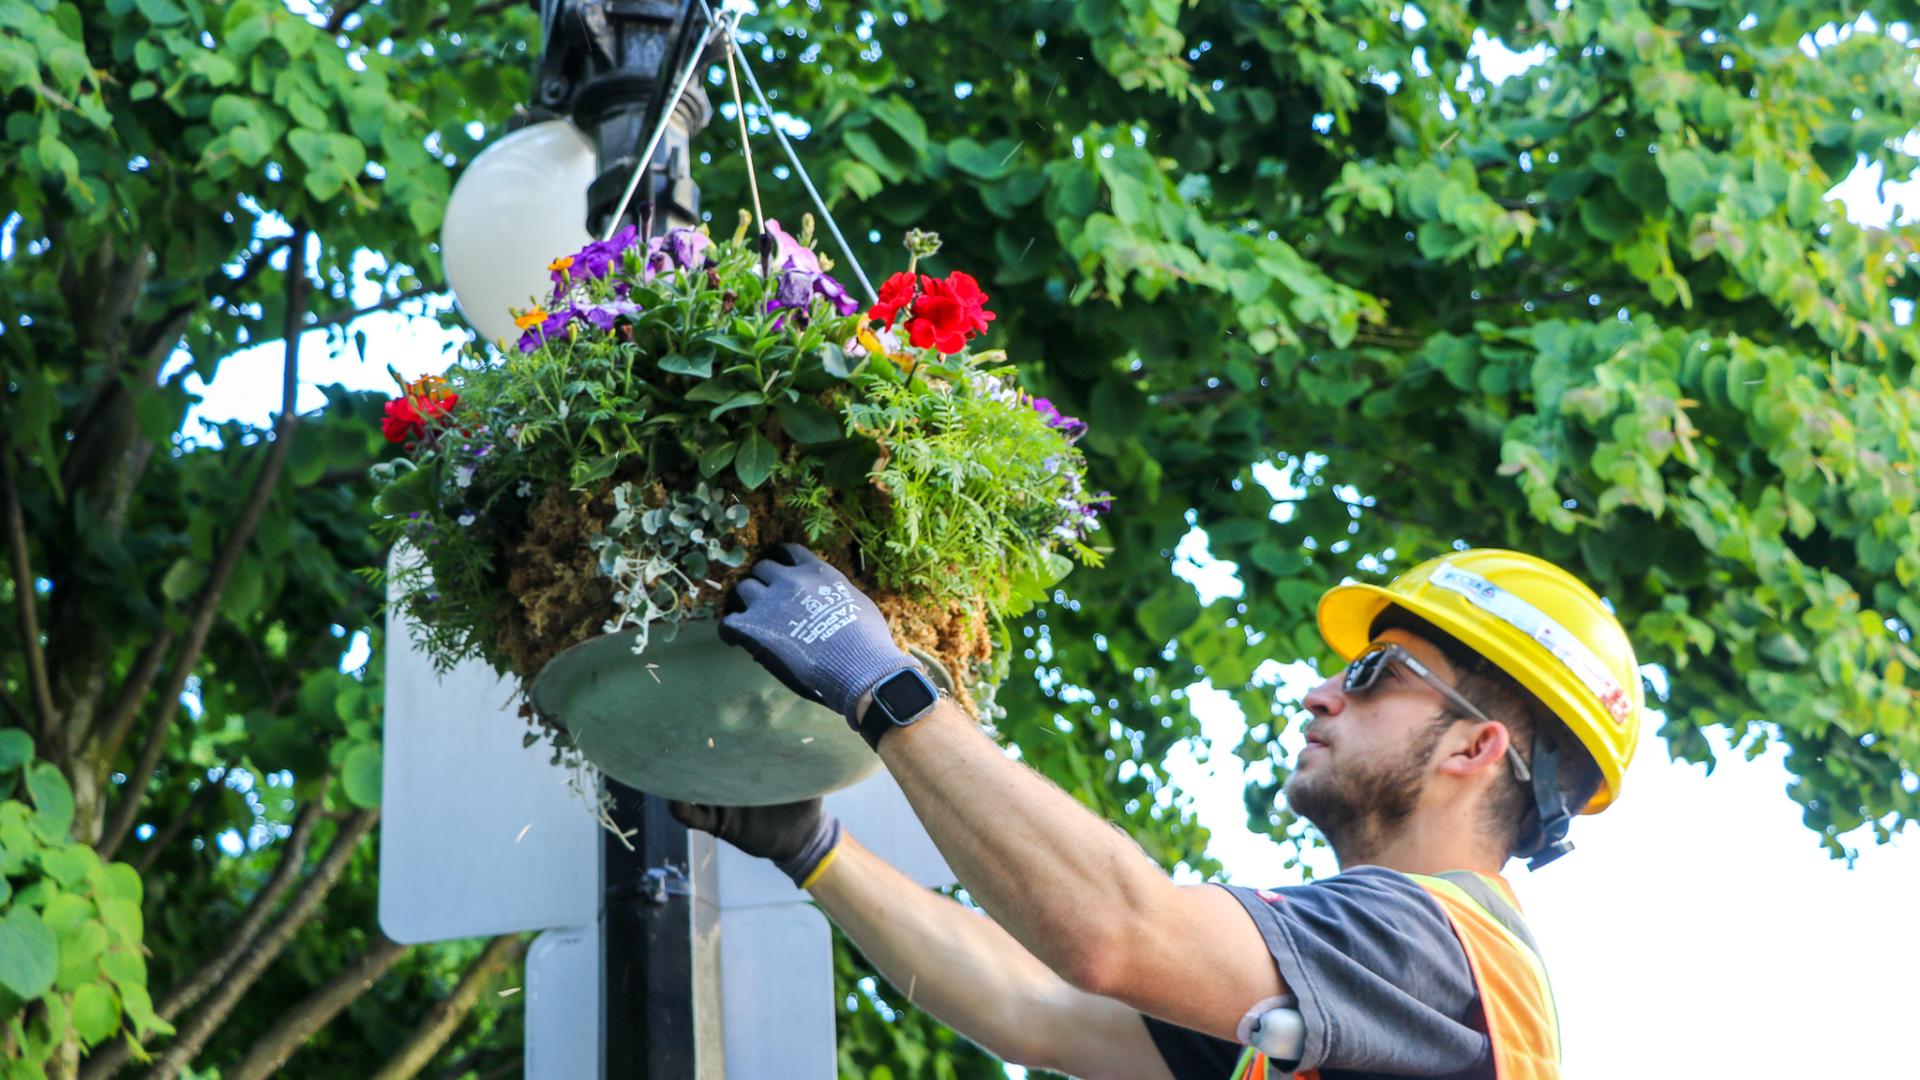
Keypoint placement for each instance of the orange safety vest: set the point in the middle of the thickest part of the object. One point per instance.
(1514, 995)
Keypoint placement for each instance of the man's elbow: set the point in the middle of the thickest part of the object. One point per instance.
(1099, 961)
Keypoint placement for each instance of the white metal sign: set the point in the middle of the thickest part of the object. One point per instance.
(482, 836)
(563, 1005)
(478, 834)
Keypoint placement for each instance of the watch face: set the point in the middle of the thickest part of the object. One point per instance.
(904, 696)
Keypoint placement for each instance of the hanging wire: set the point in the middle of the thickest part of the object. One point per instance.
(740, 113)
(793, 158)
(666, 117)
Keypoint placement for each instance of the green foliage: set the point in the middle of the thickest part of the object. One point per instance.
(1442, 309)
(659, 557)
(72, 960)
(682, 373)
(1599, 312)
(971, 477)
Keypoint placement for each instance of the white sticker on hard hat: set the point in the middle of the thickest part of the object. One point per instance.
(1536, 624)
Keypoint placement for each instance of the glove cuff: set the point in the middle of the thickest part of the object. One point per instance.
(806, 865)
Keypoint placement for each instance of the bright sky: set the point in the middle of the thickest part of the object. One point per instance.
(1699, 930)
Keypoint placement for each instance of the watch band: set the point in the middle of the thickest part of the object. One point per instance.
(898, 700)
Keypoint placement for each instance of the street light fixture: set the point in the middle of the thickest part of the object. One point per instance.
(548, 188)
(521, 202)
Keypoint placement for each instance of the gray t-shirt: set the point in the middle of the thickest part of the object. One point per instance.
(1384, 986)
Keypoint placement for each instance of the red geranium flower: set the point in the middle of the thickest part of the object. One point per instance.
(895, 294)
(401, 424)
(407, 417)
(948, 312)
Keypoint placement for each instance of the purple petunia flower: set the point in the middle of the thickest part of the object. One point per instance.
(793, 290)
(687, 246)
(659, 259)
(791, 254)
(593, 261)
(554, 328)
(597, 258)
(1070, 427)
(836, 294)
(603, 315)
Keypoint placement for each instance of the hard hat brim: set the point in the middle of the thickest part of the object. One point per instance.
(1346, 615)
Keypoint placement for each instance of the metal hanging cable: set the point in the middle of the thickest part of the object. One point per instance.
(716, 27)
(666, 117)
(820, 204)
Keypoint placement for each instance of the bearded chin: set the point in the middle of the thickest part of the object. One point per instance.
(1358, 806)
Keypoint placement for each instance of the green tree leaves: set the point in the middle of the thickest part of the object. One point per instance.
(70, 925)
(1599, 311)
(29, 953)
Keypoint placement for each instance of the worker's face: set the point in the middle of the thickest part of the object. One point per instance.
(1368, 756)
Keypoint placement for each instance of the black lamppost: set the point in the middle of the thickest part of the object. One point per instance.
(606, 71)
(608, 66)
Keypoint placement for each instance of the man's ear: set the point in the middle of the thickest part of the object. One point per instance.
(1479, 745)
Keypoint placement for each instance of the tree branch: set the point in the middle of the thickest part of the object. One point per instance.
(480, 11)
(339, 318)
(342, 13)
(126, 704)
(19, 719)
(219, 283)
(133, 793)
(444, 1018)
(108, 1059)
(209, 790)
(196, 1031)
(25, 599)
(179, 999)
(304, 1020)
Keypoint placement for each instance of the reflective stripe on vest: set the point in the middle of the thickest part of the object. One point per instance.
(1253, 1066)
(1514, 994)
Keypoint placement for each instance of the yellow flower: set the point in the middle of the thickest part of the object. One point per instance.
(871, 343)
(427, 387)
(562, 263)
(533, 317)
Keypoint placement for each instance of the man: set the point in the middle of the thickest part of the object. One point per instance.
(1489, 695)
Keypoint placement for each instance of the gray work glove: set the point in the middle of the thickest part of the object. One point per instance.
(797, 837)
(807, 625)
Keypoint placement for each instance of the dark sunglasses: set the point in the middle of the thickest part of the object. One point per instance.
(1366, 670)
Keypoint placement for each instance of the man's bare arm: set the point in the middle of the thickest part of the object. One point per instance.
(1074, 890)
(972, 976)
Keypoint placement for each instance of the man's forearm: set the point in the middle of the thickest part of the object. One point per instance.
(953, 963)
(1064, 883)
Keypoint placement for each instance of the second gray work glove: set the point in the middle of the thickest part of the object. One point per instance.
(807, 625)
(797, 837)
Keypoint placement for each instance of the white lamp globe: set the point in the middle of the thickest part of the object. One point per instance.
(518, 206)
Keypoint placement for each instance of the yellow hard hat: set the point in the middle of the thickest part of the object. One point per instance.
(1532, 620)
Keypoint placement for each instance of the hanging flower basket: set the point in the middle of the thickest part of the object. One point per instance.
(583, 501)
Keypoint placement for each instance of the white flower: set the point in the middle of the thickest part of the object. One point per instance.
(525, 490)
(463, 475)
(467, 518)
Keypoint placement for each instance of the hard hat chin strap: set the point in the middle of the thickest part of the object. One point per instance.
(1547, 840)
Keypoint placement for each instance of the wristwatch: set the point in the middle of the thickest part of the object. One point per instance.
(898, 700)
